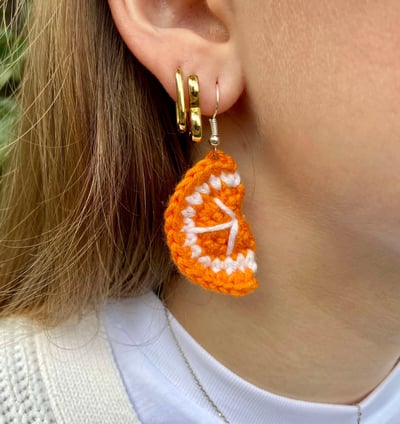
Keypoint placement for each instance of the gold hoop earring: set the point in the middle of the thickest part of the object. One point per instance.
(181, 117)
(194, 108)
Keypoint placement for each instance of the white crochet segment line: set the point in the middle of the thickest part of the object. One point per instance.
(229, 264)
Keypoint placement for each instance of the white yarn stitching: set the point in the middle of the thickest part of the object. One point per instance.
(229, 264)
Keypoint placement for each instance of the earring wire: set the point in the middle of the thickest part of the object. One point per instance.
(214, 138)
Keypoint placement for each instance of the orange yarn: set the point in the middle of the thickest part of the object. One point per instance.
(210, 241)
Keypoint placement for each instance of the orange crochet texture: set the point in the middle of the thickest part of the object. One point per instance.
(210, 241)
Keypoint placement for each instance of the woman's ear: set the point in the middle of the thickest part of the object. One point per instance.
(191, 34)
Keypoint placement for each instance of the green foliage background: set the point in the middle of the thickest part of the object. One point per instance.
(11, 52)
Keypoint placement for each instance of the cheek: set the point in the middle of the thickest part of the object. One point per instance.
(324, 81)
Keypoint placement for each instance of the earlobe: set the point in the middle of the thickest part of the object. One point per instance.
(189, 34)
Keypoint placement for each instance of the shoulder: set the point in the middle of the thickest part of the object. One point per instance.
(65, 374)
(22, 390)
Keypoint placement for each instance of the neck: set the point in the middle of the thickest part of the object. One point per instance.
(327, 309)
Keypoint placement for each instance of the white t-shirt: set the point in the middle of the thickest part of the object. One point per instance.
(163, 391)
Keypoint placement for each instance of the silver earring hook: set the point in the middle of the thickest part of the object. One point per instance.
(216, 99)
(214, 138)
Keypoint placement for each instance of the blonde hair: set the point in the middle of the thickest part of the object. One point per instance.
(88, 175)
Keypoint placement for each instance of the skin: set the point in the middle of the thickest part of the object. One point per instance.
(311, 113)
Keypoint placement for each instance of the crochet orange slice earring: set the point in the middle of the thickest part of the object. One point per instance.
(210, 241)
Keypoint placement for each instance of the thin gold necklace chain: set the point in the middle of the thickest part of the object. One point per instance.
(191, 370)
(197, 381)
(359, 413)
